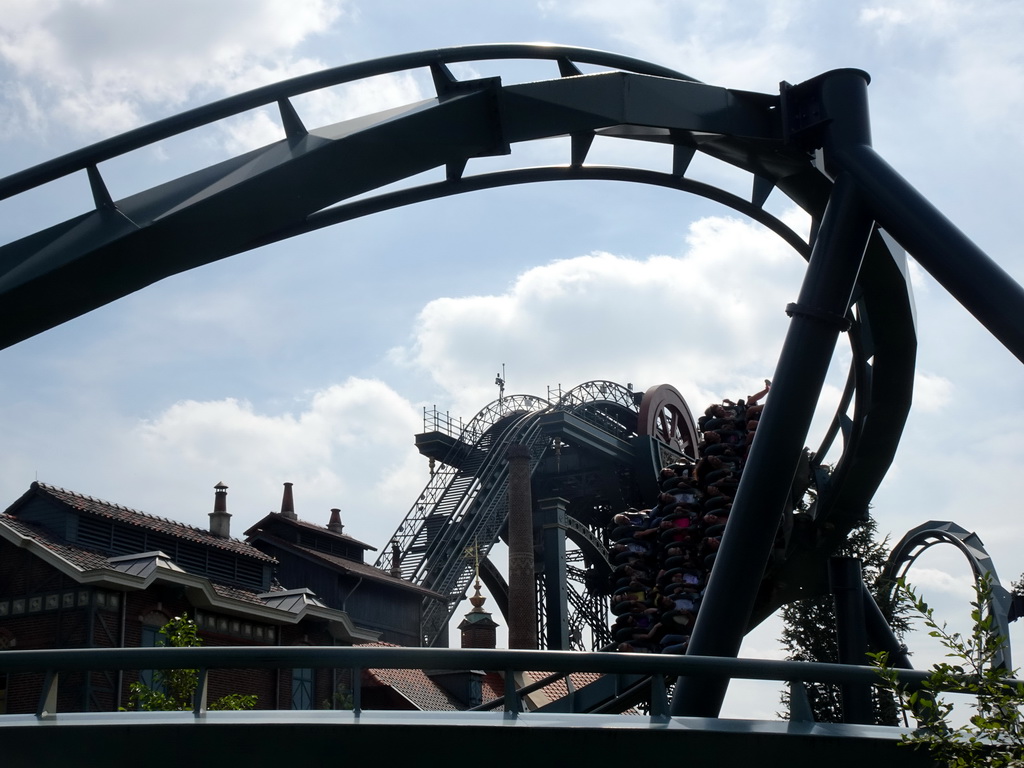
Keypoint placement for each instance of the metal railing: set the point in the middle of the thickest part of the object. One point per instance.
(561, 663)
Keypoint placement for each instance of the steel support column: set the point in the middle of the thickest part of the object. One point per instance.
(846, 581)
(817, 319)
(946, 253)
(880, 632)
(556, 577)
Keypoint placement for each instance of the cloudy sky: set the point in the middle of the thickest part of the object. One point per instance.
(311, 361)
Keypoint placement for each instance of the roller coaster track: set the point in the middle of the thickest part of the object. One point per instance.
(810, 142)
(918, 540)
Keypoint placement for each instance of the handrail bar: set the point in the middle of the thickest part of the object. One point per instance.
(234, 657)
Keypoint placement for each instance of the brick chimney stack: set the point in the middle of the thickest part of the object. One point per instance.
(522, 598)
(220, 520)
(287, 503)
(396, 561)
(335, 526)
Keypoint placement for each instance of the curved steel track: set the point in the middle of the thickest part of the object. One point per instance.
(922, 538)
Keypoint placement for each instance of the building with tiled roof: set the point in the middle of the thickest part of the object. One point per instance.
(77, 572)
(330, 562)
(452, 690)
(115, 527)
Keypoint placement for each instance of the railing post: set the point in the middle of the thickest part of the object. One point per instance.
(48, 698)
(799, 705)
(199, 699)
(357, 691)
(659, 698)
(570, 690)
(513, 704)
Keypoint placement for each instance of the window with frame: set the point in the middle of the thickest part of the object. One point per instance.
(150, 637)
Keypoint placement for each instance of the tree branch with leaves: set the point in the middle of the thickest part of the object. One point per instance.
(173, 690)
(994, 734)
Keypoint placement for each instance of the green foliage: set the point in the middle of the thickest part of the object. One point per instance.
(994, 734)
(233, 701)
(809, 630)
(173, 690)
(343, 698)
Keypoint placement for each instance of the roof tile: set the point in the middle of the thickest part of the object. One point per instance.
(277, 517)
(134, 517)
(428, 695)
(369, 571)
(91, 560)
(80, 557)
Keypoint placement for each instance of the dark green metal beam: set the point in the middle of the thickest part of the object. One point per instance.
(577, 431)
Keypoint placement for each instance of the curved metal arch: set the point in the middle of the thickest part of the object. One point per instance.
(500, 409)
(596, 391)
(593, 549)
(603, 404)
(769, 161)
(566, 56)
(466, 120)
(339, 214)
(918, 540)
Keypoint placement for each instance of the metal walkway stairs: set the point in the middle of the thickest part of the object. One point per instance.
(439, 542)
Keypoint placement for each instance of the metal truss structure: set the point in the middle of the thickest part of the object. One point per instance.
(809, 142)
(594, 450)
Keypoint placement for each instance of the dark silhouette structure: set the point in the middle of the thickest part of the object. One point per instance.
(810, 142)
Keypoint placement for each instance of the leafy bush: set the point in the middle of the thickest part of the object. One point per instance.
(994, 734)
(173, 690)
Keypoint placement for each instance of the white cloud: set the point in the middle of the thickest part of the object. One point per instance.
(920, 281)
(688, 321)
(932, 17)
(741, 46)
(967, 54)
(884, 19)
(252, 130)
(938, 585)
(99, 66)
(932, 393)
(347, 446)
